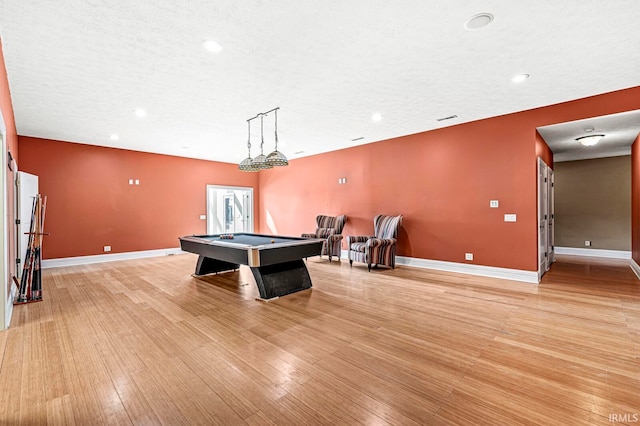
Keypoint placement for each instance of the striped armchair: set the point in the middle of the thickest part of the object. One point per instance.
(378, 250)
(330, 229)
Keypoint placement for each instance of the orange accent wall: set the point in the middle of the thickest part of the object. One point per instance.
(543, 151)
(441, 181)
(90, 203)
(635, 200)
(12, 145)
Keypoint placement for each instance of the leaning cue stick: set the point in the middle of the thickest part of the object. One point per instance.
(24, 280)
(35, 251)
(37, 269)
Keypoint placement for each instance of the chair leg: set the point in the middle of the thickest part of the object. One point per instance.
(369, 266)
(350, 262)
(329, 258)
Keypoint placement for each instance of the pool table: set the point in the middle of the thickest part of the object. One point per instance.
(275, 261)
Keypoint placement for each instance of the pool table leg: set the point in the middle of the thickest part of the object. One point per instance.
(281, 278)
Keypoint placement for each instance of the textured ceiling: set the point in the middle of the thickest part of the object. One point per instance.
(79, 68)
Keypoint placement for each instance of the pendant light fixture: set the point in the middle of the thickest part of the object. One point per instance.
(246, 165)
(276, 158)
(262, 162)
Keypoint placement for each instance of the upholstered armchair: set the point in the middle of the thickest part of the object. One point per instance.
(379, 249)
(330, 229)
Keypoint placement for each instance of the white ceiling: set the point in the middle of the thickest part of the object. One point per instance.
(78, 68)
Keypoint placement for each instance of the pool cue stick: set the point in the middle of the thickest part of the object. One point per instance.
(36, 277)
(22, 293)
(36, 293)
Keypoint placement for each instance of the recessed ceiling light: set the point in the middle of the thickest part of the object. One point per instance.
(478, 21)
(589, 129)
(589, 140)
(520, 78)
(212, 46)
(140, 112)
(115, 137)
(376, 117)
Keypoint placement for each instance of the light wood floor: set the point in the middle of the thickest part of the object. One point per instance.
(143, 342)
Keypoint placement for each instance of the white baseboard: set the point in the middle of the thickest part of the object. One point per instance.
(635, 268)
(8, 311)
(575, 251)
(465, 268)
(100, 258)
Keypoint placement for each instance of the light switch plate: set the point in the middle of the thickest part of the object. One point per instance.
(510, 217)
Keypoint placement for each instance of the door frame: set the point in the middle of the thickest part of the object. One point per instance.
(6, 308)
(545, 216)
(251, 210)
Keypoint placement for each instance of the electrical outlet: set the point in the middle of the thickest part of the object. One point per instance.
(587, 243)
(468, 256)
(203, 217)
(494, 204)
(107, 248)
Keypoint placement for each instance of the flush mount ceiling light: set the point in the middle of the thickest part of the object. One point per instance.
(261, 162)
(589, 140)
(376, 117)
(140, 113)
(114, 137)
(478, 21)
(212, 46)
(520, 78)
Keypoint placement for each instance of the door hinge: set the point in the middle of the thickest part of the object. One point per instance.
(17, 221)
(18, 260)
(545, 180)
(545, 254)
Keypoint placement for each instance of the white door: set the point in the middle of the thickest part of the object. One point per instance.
(542, 218)
(550, 215)
(7, 302)
(27, 190)
(229, 209)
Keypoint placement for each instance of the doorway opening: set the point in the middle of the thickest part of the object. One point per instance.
(229, 209)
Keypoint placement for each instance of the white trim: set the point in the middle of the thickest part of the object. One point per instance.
(613, 254)
(635, 268)
(6, 308)
(101, 258)
(465, 268)
(9, 307)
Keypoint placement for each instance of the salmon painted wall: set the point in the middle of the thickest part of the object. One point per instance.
(11, 145)
(90, 203)
(635, 200)
(543, 151)
(441, 181)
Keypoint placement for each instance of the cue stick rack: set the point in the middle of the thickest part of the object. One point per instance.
(30, 288)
